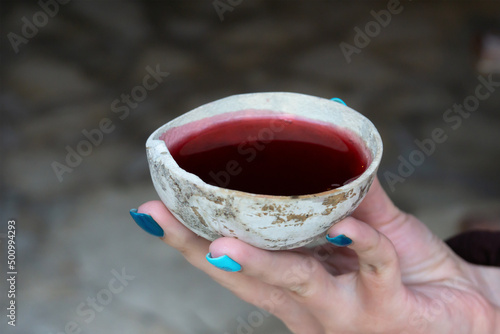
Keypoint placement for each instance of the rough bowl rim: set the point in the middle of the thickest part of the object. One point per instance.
(372, 168)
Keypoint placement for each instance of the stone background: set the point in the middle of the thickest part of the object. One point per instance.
(73, 234)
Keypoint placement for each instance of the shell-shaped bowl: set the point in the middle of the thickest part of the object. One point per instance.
(264, 221)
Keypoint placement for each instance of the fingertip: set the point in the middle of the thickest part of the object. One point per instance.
(342, 228)
(149, 217)
(231, 247)
(147, 223)
(340, 240)
(228, 254)
(160, 214)
(375, 251)
(223, 262)
(176, 234)
(153, 208)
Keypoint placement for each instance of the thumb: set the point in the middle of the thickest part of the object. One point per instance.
(377, 209)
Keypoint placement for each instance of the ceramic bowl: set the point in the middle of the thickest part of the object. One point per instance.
(264, 221)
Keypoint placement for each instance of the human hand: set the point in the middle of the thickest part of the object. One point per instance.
(389, 275)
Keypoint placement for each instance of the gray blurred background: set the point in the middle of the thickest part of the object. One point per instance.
(67, 67)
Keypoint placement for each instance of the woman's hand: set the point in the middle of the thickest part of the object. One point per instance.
(385, 273)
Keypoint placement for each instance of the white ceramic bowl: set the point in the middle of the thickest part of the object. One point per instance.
(265, 221)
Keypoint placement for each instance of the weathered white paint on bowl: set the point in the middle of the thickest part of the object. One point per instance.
(269, 222)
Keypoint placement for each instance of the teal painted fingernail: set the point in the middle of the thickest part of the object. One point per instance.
(340, 240)
(336, 99)
(224, 262)
(147, 223)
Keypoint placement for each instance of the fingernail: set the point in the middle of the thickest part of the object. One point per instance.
(224, 262)
(340, 240)
(336, 99)
(147, 223)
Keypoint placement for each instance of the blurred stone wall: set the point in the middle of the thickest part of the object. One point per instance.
(71, 70)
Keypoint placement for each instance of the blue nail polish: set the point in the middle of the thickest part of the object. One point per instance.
(340, 240)
(336, 99)
(147, 223)
(224, 262)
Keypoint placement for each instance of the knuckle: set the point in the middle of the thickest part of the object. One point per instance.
(373, 244)
(301, 279)
(181, 242)
(303, 289)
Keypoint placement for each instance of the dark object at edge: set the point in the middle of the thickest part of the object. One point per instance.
(477, 247)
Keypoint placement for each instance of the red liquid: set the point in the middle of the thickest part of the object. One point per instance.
(271, 156)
